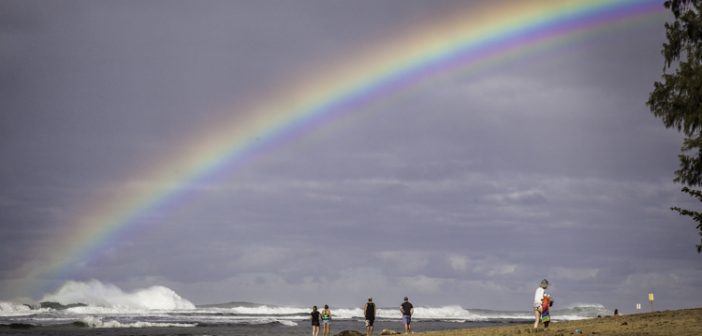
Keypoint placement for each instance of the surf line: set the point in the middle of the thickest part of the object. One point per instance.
(470, 41)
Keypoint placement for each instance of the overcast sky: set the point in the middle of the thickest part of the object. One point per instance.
(468, 190)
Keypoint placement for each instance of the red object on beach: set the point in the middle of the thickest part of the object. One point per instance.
(545, 303)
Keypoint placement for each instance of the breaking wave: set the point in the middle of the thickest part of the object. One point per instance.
(16, 309)
(582, 311)
(97, 322)
(98, 294)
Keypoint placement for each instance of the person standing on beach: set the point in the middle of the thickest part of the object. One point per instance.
(538, 301)
(407, 310)
(369, 314)
(326, 320)
(315, 321)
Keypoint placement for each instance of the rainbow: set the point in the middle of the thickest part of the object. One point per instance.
(464, 41)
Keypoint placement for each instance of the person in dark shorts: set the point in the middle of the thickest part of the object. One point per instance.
(315, 321)
(407, 310)
(369, 314)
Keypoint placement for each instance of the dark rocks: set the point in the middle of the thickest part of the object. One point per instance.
(59, 306)
(80, 324)
(389, 332)
(18, 326)
(350, 333)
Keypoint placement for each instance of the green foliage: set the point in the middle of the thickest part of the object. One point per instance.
(695, 215)
(677, 98)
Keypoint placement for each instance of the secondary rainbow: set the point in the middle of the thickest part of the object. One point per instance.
(464, 41)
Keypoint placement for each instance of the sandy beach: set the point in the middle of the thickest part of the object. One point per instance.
(686, 322)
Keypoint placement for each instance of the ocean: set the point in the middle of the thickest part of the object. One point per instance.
(94, 308)
(247, 319)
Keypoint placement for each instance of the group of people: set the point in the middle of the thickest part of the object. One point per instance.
(542, 304)
(325, 317)
(369, 309)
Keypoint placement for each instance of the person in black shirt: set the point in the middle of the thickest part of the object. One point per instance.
(369, 313)
(407, 310)
(315, 321)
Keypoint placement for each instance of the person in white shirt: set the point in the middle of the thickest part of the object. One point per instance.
(538, 297)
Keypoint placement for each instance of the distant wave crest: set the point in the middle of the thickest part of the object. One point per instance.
(583, 311)
(96, 322)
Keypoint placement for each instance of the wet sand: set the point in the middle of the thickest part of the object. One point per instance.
(686, 322)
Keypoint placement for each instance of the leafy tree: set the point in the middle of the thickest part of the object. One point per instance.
(677, 97)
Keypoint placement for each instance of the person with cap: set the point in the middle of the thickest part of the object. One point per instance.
(407, 310)
(538, 301)
(369, 314)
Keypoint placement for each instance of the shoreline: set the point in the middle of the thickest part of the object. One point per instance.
(683, 322)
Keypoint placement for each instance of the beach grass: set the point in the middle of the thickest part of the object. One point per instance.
(684, 322)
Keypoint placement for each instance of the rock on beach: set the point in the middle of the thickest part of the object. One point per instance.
(349, 333)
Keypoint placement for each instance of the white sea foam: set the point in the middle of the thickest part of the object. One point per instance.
(582, 311)
(96, 293)
(287, 323)
(258, 320)
(347, 313)
(97, 322)
(121, 310)
(266, 310)
(447, 313)
(11, 308)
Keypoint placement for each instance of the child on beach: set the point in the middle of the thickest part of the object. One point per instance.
(315, 321)
(538, 302)
(545, 314)
(326, 320)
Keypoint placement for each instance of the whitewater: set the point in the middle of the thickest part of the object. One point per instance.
(89, 308)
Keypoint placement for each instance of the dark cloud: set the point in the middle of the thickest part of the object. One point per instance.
(467, 189)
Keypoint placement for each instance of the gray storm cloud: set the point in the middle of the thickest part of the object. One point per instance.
(467, 191)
